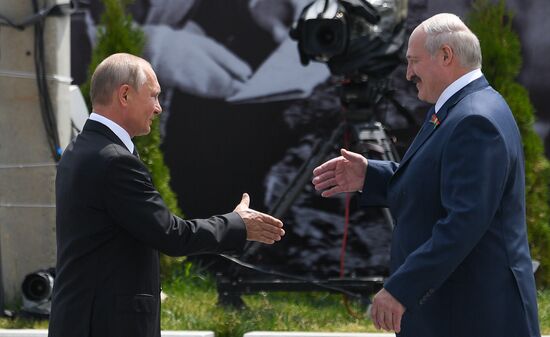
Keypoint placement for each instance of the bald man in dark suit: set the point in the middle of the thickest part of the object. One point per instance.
(112, 222)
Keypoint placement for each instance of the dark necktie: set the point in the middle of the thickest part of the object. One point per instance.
(135, 153)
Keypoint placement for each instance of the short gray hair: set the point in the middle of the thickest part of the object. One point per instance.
(448, 29)
(114, 71)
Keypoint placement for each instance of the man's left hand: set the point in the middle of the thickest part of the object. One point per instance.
(386, 311)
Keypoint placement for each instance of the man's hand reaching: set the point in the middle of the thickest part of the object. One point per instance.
(342, 174)
(259, 226)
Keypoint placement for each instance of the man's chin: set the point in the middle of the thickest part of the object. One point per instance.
(145, 132)
(423, 98)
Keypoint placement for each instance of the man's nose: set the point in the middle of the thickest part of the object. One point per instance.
(410, 73)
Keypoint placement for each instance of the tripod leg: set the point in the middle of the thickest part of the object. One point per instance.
(373, 138)
(303, 176)
(321, 149)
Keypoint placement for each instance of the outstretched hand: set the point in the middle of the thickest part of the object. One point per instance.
(260, 227)
(342, 174)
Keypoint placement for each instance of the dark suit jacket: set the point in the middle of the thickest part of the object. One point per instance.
(460, 259)
(111, 223)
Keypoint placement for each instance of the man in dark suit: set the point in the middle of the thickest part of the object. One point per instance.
(111, 221)
(460, 261)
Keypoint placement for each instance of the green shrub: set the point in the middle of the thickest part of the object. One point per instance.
(501, 47)
(117, 33)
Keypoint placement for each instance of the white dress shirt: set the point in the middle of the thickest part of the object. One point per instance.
(117, 129)
(460, 83)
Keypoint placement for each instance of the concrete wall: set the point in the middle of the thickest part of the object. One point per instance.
(27, 167)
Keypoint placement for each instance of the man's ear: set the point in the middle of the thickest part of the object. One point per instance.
(122, 94)
(447, 54)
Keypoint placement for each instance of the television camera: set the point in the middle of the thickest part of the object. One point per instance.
(358, 39)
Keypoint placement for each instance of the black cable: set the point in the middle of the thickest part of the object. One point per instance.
(39, 15)
(46, 107)
(75, 128)
(38, 20)
(325, 7)
(293, 277)
(4, 21)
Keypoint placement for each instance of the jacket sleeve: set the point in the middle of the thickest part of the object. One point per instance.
(134, 204)
(377, 178)
(474, 167)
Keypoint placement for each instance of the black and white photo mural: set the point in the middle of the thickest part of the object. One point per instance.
(242, 114)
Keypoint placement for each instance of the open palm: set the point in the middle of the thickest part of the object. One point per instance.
(342, 174)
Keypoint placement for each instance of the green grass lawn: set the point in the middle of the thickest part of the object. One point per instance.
(192, 305)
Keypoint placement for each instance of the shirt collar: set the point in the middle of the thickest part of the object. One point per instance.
(117, 130)
(454, 87)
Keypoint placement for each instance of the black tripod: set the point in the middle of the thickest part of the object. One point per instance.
(359, 98)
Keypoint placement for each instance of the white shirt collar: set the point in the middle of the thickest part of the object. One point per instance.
(117, 129)
(454, 87)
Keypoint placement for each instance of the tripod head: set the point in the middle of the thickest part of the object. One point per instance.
(361, 40)
(360, 96)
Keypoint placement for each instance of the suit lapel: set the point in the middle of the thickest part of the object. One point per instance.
(420, 138)
(429, 128)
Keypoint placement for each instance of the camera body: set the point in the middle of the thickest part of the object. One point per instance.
(352, 36)
(37, 290)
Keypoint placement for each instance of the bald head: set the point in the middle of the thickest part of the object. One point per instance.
(448, 29)
(114, 71)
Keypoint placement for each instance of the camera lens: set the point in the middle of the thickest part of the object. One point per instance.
(37, 286)
(326, 36)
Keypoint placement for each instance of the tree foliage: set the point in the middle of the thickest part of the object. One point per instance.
(502, 61)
